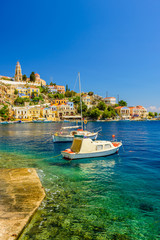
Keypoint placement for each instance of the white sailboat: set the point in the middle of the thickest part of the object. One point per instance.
(64, 135)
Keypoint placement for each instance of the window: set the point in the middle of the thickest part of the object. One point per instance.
(99, 147)
(107, 146)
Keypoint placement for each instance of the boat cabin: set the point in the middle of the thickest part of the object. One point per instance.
(86, 145)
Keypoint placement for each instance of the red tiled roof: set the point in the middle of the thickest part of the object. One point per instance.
(139, 107)
(118, 107)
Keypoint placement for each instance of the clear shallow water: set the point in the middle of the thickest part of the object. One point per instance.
(115, 197)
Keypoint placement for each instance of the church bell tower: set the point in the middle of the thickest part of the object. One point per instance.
(18, 73)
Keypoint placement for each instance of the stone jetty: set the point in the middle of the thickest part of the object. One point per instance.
(21, 193)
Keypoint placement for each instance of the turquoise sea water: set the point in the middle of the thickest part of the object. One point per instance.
(115, 197)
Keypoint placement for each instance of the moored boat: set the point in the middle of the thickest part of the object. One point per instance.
(41, 120)
(86, 148)
(64, 135)
(67, 136)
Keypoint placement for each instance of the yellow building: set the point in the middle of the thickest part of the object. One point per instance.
(48, 114)
(87, 100)
(33, 90)
(34, 113)
(18, 73)
(26, 113)
(60, 88)
(59, 101)
(28, 92)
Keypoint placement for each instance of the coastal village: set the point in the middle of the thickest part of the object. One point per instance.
(32, 99)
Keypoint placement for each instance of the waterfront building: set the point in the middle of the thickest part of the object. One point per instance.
(20, 113)
(48, 114)
(110, 101)
(138, 112)
(142, 111)
(64, 110)
(123, 112)
(54, 109)
(26, 113)
(18, 73)
(34, 112)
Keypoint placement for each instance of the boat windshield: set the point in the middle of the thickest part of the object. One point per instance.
(76, 145)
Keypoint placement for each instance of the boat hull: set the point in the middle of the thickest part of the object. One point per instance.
(73, 156)
(61, 138)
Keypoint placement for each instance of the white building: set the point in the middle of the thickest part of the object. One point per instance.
(110, 100)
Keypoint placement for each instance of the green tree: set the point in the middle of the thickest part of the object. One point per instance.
(35, 99)
(43, 89)
(122, 103)
(76, 100)
(67, 88)
(90, 93)
(70, 94)
(95, 113)
(4, 112)
(151, 114)
(101, 106)
(24, 77)
(84, 108)
(58, 96)
(51, 84)
(15, 91)
(106, 114)
(155, 114)
(116, 105)
(50, 95)
(34, 94)
(19, 101)
(32, 77)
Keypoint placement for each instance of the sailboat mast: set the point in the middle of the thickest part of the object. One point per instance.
(80, 99)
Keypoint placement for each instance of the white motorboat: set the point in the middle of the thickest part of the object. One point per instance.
(86, 148)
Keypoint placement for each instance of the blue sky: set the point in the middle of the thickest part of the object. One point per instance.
(114, 44)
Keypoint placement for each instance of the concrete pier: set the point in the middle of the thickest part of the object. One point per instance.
(21, 193)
